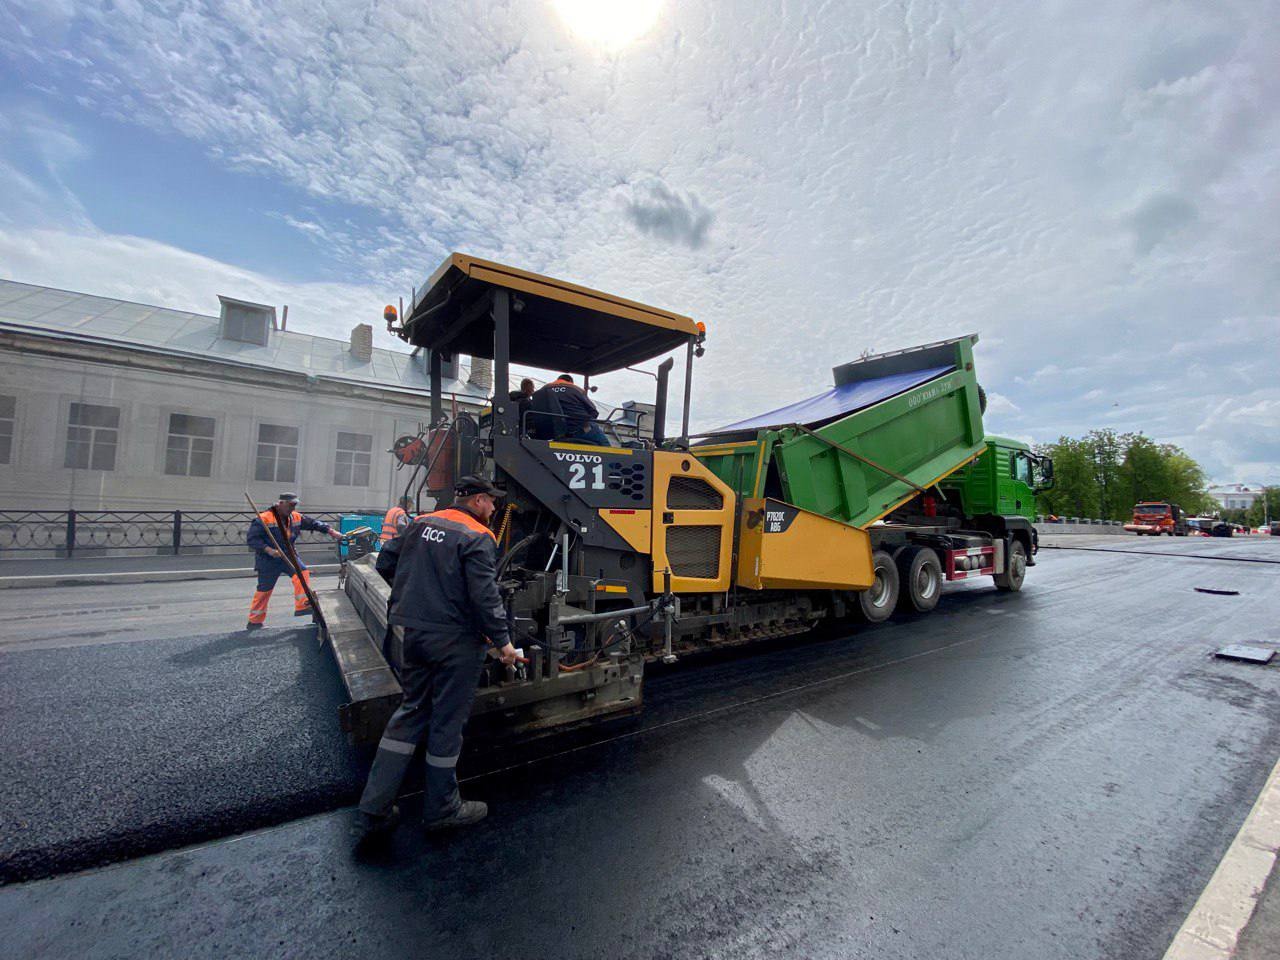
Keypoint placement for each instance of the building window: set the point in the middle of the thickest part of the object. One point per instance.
(351, 464)
(8, 416)
(189, 451)
(92, 435)
(277, 453)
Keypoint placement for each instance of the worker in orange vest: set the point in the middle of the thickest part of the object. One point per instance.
(267, 534)
(444, 596)
(396, 520)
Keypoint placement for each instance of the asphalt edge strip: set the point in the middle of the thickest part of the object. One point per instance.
(137, 576)
(1213, 928)
(1154, 553)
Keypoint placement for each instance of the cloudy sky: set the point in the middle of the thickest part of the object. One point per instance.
(1092, 186)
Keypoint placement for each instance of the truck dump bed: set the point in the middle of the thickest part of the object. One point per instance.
(892, 425)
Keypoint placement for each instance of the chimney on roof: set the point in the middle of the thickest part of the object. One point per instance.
(481, 374)
(362, 342)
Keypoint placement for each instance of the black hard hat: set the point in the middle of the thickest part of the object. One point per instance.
(471, 485)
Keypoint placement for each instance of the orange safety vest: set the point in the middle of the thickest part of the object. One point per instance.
(268, 518)
(462, 517)
(390, 523)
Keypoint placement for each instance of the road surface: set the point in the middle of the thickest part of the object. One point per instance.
(1049, 774)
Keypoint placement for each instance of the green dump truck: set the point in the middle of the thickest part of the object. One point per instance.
(861, 499)
(894, 449)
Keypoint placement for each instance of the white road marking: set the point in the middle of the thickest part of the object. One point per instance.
(1215, 923)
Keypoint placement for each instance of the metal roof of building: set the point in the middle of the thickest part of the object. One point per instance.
(47, 311)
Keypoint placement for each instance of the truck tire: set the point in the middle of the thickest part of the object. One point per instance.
(877, 602)
(1015, 566)
(919, 579)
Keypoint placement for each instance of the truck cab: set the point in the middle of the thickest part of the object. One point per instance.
(1152, 518)
(1002, 481)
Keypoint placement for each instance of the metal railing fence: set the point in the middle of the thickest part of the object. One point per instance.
(64, 532)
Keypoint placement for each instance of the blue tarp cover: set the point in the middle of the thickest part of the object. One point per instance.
(838, 401)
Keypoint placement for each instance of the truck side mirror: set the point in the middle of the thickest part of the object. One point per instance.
(1045, 465)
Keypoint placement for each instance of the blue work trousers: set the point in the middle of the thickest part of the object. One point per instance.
(439, 677)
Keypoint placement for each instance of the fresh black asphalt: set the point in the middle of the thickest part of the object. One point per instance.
(118, 749)
(1051, 774)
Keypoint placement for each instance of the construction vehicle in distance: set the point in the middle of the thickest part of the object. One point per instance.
(1154, 518)
(860, 501)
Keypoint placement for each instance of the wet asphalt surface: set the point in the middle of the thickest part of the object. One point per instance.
(134, 722)
(1050, 774)
(119, 749)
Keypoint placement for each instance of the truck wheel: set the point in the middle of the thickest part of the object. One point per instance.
(920, 579)
(1015, 566)
(876, 603)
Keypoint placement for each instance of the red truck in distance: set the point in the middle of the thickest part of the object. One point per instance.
(1157, 518)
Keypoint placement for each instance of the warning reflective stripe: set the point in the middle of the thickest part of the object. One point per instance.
(397, 746)
(434, 761)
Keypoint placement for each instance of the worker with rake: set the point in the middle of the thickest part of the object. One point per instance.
(271, 533)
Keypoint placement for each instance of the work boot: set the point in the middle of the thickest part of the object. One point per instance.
(302, 612)
(368, 826)
(251, 626)
(471, 811)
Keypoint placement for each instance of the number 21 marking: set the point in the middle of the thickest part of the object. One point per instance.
(578, 477)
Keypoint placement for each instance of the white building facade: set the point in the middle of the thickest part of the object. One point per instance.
(1235, 496)
(106, 404)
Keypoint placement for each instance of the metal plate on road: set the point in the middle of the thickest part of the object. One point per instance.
(1250, 654)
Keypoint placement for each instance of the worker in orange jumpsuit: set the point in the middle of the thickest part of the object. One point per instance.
(266, 536)
(396, 520)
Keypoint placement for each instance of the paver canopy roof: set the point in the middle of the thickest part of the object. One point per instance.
(554, 324)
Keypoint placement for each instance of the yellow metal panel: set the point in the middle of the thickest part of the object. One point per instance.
(590, 448)
(784, 547)
(667, 465)
(721, 447)
(632, 526)
(760, 458)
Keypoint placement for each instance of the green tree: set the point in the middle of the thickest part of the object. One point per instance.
(1187, 482)
(1105, 452)
(1266, 507)
(1145, 471)
(1075, 486)
(1103, 475)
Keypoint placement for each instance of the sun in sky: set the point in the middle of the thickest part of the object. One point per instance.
(611, 24)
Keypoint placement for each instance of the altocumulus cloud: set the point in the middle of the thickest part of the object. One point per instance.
(1089, 186)
(662, 213)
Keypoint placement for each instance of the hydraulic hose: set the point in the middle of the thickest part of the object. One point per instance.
(519, 546)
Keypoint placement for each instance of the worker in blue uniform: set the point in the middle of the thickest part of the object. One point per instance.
(561, 410)
(268, 532)
(444, 596)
